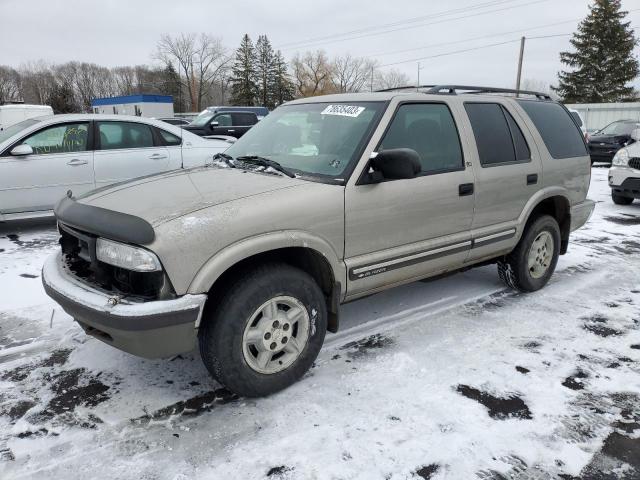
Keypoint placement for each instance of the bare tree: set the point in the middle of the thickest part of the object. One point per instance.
(202, 60)
(390, 79)
(38, 82)
(352, 74)
(312, 73)
(10, 85)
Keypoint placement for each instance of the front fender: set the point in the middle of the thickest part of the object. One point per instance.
(243, 249)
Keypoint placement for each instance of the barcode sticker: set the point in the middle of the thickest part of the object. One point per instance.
(343, 110)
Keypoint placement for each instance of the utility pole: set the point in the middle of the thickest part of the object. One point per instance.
(522, 40)
(419, 68)
(372, 79)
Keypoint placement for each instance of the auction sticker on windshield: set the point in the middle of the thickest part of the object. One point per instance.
(343, 110)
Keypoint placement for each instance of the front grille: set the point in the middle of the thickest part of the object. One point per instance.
(634, 162)
(79, 253)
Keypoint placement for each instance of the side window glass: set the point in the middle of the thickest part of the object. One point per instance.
(223, 120)
(429, 129)
(522, 149)
(169, 138)
(70, 137)
(492, 133)
(559, 132)
(118, 135)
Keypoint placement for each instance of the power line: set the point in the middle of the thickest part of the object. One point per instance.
(399, 22)
(376, 33)
(480, 47)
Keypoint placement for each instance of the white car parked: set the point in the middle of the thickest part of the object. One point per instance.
(624, 174)
(43, 158)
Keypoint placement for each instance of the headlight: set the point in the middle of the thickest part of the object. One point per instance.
(125, 256)
(621, 158)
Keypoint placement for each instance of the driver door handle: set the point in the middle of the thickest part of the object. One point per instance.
(465, 189)
(76, 161)
(157, 156)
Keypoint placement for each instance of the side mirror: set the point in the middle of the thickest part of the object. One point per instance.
(214, 124)
(22, 150)
(635, 134)
(395, 164)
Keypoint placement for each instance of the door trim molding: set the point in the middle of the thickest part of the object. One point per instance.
(393, 263)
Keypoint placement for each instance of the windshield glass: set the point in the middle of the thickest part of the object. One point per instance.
(318, 139)
(7, 133)
(202, 119)
(618, 128)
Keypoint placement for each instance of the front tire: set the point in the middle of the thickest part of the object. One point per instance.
(530, 265)
(266, 330)
(621, 200)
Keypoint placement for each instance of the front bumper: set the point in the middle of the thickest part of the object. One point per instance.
(625, 181)
(581, 212)
(153, 329)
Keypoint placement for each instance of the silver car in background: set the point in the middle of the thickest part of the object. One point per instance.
(42, 158)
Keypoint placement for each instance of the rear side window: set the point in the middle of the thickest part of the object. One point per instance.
(118, 135)
(429, 129)
(557, 129)
(498, 137)
(244, 119)
(169, 138)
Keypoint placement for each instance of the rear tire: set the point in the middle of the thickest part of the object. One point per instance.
(530, 265)
(621, 200)
(266, 330)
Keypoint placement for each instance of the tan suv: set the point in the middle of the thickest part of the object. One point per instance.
(326, 200)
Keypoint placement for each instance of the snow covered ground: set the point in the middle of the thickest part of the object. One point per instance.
(456, 378)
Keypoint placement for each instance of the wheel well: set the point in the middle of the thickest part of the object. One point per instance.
(558, 207)
(306, 259)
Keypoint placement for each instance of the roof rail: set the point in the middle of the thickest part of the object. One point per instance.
(453, 90)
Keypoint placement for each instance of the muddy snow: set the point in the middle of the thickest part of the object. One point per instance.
(454, 378)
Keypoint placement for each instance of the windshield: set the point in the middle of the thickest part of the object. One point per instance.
(7, 133)
(318, 139)
(202, 119)
(618, 128)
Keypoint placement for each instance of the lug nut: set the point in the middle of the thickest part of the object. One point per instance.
(273, 346)
(267, 336)
(285, 339)
(285, 327)
(276, 324)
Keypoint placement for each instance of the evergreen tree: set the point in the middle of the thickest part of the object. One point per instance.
(243, 87)
(61, 99)
(170, 85)
(264, 72)
(603, 63)
(282, 87)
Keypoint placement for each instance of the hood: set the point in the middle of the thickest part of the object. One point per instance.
(161, 198)
(609, 139)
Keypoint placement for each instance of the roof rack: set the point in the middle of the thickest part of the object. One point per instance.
(453, 90)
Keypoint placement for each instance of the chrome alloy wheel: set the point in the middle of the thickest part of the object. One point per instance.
(275, 335)
(540, 255)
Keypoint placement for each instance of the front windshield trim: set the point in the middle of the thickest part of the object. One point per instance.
(340, 178)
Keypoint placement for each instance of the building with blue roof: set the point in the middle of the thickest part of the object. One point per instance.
(141, 105)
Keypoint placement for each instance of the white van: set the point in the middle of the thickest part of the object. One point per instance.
(12, 114)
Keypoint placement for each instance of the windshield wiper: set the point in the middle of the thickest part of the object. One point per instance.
(227, 159)
(266, 162)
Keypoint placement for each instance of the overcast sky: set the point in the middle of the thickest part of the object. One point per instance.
(124, 32)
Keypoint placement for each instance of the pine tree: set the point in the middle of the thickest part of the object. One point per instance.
(603, 63)
(170, 85)
(243, 87)
(61, 99)
(282, 87)
(264, 72)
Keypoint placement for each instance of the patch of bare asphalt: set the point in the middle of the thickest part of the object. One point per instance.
(427, 471)
(500, 408)
(575, 381)
(204, 402)
(364, 346)
(623, 220)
